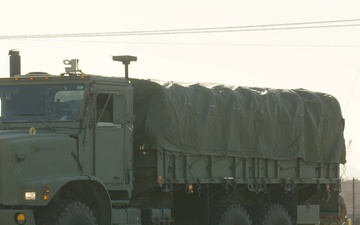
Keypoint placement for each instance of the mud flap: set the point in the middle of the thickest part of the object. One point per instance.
(308, 214)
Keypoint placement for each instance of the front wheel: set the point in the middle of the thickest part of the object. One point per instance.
(65, 212)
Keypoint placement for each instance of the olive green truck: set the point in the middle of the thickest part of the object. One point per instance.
(78, 149)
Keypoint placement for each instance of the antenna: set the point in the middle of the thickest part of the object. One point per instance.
(125, 59)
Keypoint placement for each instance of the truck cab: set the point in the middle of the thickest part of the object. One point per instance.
(65, 141)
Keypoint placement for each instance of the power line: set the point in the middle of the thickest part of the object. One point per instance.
(263, 27)
(203, 44)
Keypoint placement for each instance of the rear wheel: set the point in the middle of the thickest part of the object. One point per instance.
(271, 214)
(234, 214)
(65, 212)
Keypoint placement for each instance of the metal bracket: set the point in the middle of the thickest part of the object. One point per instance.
(289, 186)
(257, 186)
(125, 59)
(337, 187)
(198, 186)
(318, 186)
(226, 183)
(235, 186)
(170, 186)
(71, 66)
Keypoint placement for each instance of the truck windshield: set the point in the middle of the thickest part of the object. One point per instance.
(56, 102)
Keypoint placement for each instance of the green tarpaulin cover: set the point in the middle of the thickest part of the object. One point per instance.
(212, 119)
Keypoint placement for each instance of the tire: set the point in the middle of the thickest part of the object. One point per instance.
(271, 214)
(65, 212)
(234, 214)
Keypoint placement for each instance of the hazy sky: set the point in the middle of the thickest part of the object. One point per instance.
(318, 59)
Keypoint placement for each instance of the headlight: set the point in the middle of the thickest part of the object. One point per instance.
(30, 196)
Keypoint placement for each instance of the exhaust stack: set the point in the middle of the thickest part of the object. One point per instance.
(15, 62)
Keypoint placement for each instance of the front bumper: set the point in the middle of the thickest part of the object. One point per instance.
(8, 216)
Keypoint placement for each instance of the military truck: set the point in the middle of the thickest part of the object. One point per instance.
(79, 149)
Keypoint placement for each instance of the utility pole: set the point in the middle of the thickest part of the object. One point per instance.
(353, 200)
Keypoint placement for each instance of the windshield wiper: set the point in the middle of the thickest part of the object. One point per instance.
(46, 123)
(4, 126)
(30, 114)
(38, 115)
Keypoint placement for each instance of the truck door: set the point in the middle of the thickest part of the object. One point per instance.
(110, 160)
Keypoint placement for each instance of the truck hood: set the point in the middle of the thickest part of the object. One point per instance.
(26, 158)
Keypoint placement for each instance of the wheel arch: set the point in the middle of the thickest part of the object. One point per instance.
(91, 192)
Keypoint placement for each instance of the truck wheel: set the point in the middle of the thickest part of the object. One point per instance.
(271, 214)
(234, 214)
(65, 212)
